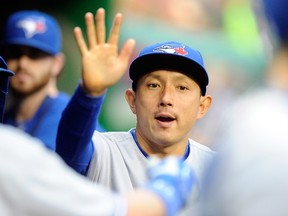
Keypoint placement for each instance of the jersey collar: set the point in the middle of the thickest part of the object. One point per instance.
(133, 133)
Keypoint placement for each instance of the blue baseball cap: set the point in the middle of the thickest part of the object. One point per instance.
(171, 56)
(4, 83)
(34, 29)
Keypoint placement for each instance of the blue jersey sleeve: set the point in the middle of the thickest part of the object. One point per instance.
(76, 128)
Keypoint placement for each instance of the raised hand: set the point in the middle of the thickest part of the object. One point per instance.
(102, 63)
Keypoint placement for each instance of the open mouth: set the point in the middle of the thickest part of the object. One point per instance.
(165, 119)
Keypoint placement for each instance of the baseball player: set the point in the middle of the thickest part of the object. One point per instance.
(168, 96)
(35, 181)
(250, 175)
(32, 48)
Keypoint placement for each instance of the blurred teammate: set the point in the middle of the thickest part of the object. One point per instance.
(250, 175)
(31, 46)
(168, 96)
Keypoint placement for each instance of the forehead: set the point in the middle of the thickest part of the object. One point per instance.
(163, 74)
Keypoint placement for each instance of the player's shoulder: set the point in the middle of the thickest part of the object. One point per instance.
(114, 136)
(18, 143)
(58, 102)
(63, 96)
(114, 141)
(196, 146)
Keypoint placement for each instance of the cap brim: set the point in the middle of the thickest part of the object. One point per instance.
(159, 61)
(30, 43)
(6, 72)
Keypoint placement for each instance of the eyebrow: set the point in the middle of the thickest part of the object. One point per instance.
(177, 75)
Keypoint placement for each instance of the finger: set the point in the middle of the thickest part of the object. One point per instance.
(127, 51)
(115, 29)
(100, 26)
(90, 29)
(80, 40)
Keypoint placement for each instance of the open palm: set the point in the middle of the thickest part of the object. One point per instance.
(102, 64)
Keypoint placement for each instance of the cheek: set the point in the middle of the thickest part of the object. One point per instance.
(191, 111)
(144, 106)
(147, 102)
(12, 65)
(189, 107)
(188, 117)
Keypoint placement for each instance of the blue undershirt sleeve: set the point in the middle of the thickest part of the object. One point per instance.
(78, 122)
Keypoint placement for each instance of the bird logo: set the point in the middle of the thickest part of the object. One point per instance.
(32, 26)
(169, 48)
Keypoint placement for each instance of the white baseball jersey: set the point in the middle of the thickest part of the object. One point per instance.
(35, 181)
(119, 164)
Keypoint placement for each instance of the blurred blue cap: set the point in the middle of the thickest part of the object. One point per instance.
(4, 69)
(171, 56)
(35, 29)
(276, 12)
(4, 83)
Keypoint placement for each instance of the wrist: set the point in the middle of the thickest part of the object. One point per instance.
(172, 180)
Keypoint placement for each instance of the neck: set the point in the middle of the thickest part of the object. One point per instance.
(27, 105)
(52, 88)
(161, 151)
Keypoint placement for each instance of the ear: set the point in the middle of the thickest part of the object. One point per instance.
(205, 104)
(130, 98)
(59, 61)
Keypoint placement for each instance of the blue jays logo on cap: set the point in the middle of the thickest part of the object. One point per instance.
(32, 26)
(180, 50)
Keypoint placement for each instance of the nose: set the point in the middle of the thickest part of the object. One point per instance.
(167, 95)
(23, 58)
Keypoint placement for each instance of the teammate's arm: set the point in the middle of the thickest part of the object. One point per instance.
(76, 128)
(102, 67)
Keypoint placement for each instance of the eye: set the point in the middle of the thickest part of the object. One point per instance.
(16, 52)
(182, 88)
(36, 54)
(153, 85)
